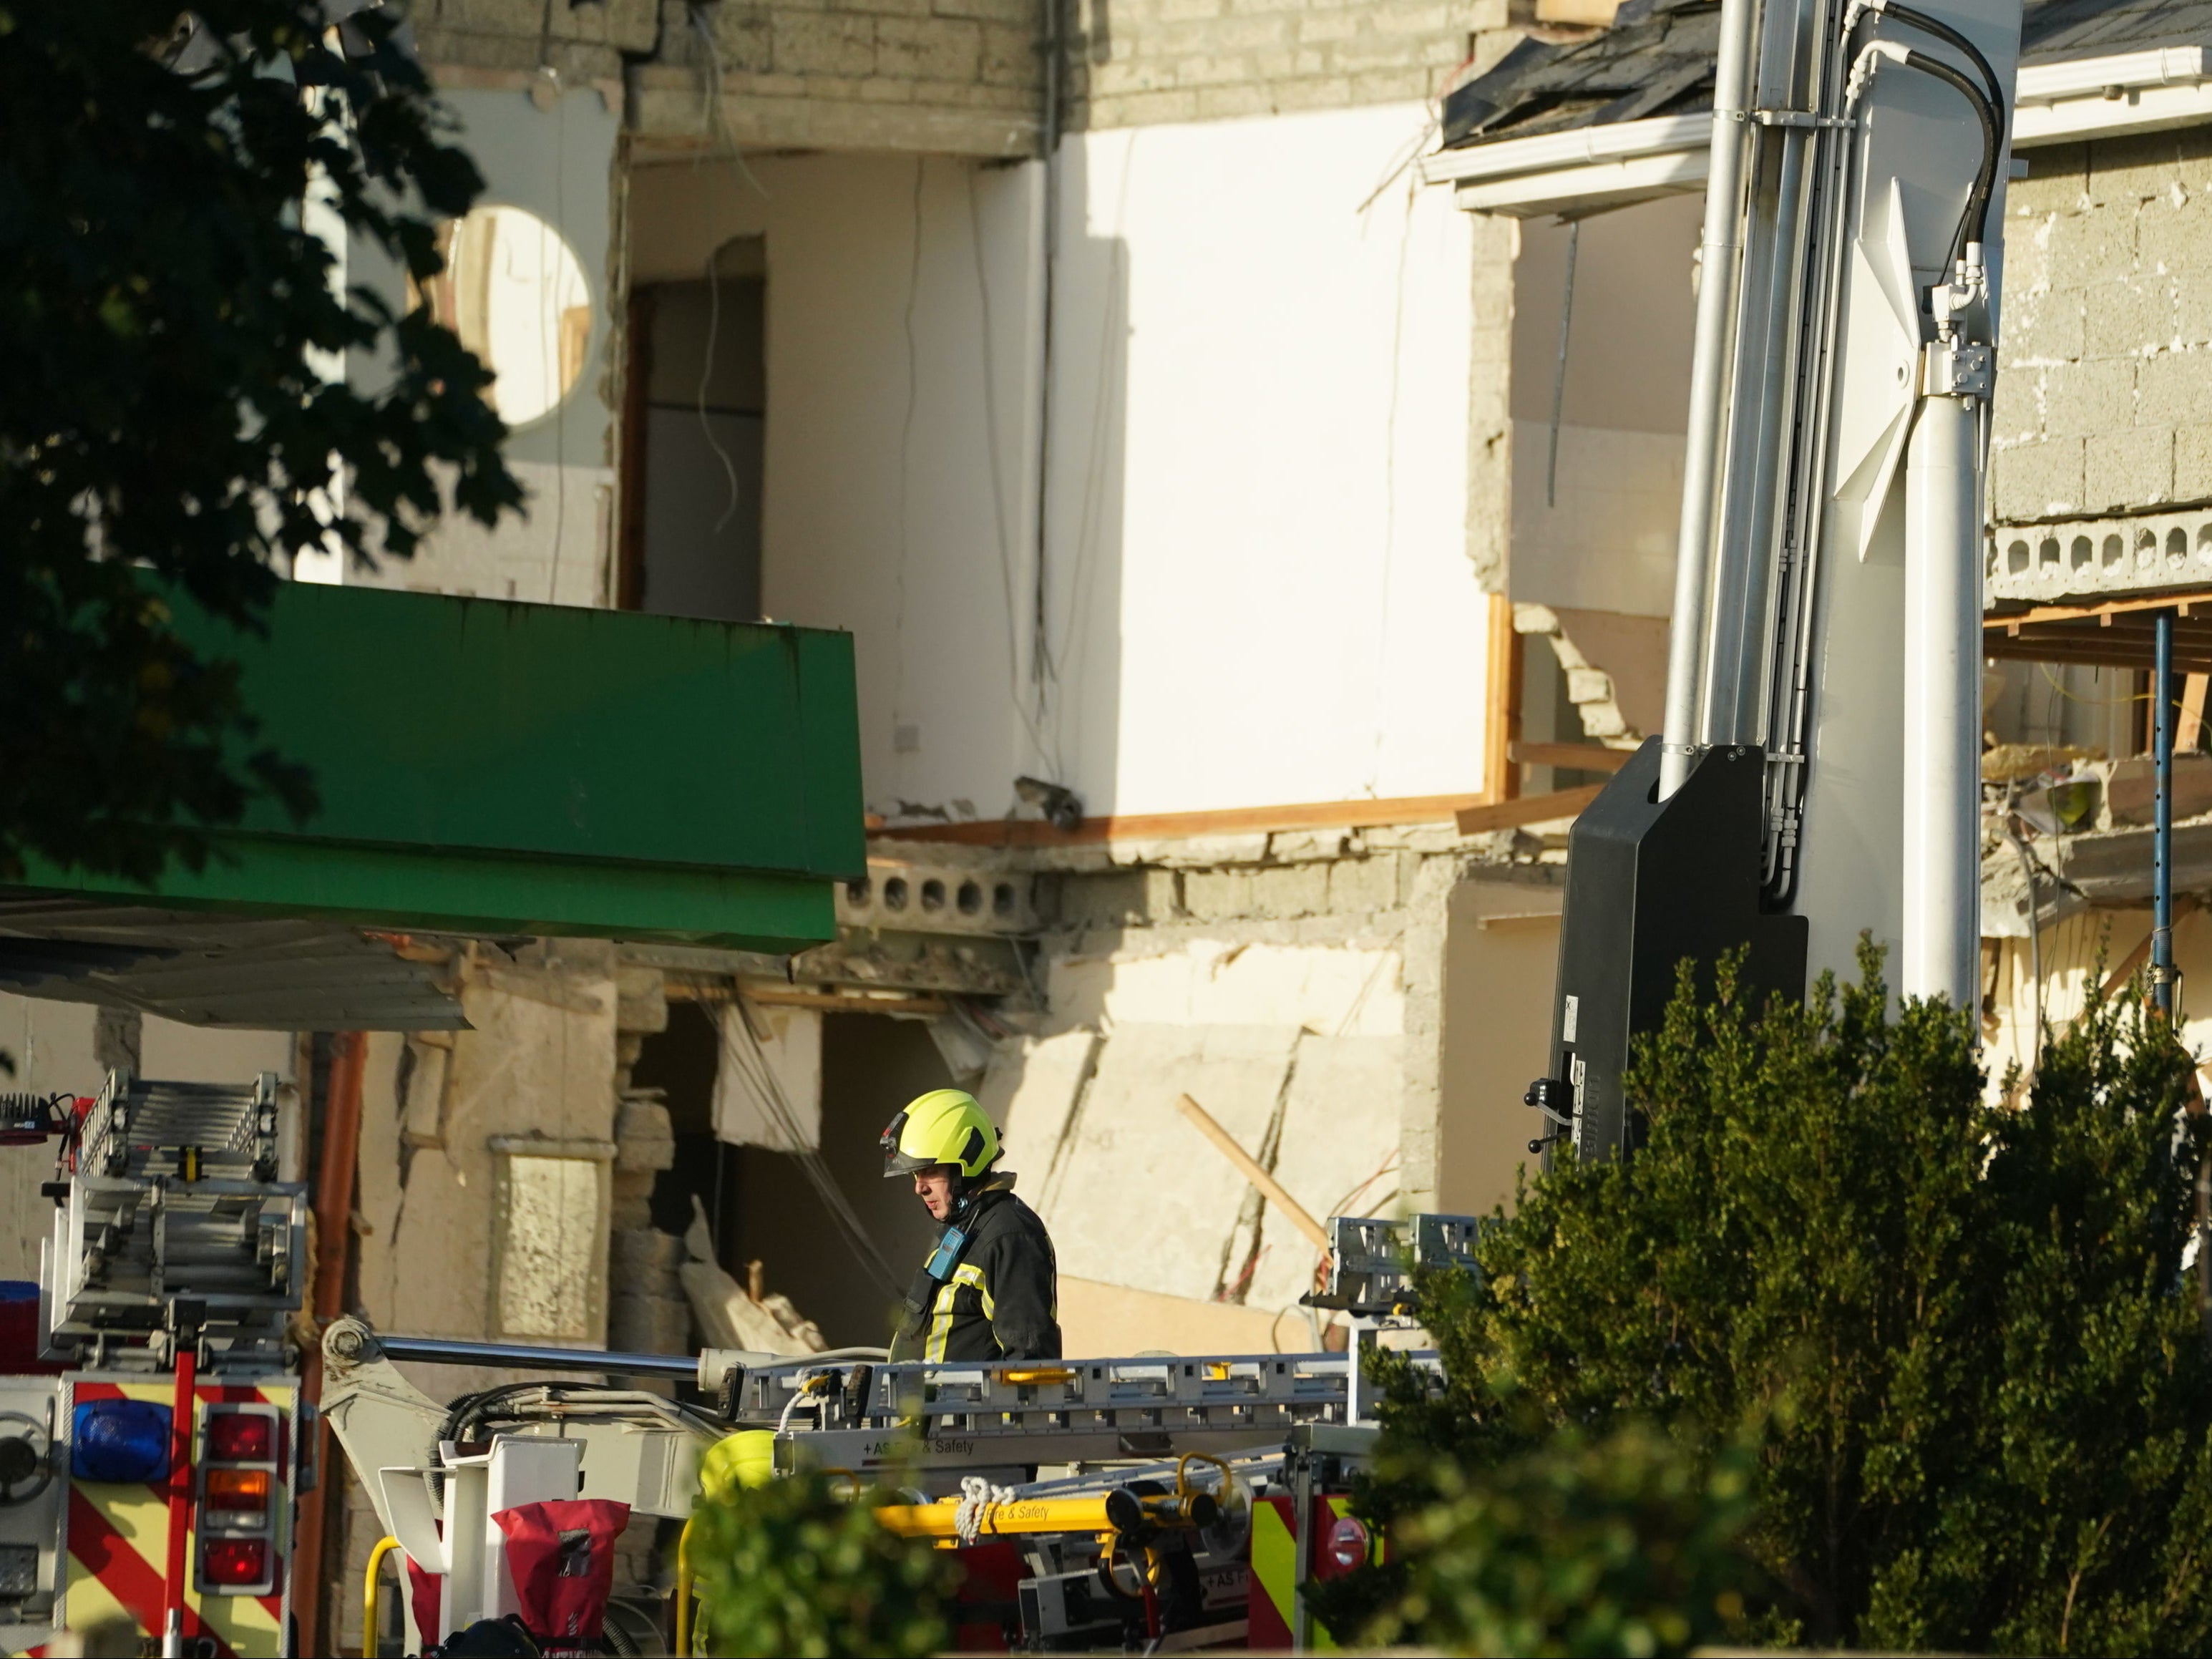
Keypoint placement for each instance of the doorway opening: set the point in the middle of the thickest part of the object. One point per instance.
(871, 1064)
(694, 430)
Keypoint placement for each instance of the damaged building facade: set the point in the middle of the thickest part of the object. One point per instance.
(1255, 525)
(1596, 150)
(1112, 376)
(1146, 423)
(2101, 488)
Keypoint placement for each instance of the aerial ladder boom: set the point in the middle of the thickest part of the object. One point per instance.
(1819, 774)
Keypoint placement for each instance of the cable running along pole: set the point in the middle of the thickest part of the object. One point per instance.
(2161, 843)
(1710, 370)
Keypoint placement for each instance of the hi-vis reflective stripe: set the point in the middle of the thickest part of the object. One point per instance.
(964, 1274)
(119, 1534)
(1276, 1571)
(940, 1326)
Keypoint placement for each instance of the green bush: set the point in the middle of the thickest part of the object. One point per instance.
(799, 1566)
(1623, 1544)
(1963, 1339)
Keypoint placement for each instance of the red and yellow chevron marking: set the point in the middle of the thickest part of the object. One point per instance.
(119, 1534)
(1275, 1569)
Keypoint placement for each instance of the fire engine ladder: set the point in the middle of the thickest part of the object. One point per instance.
(923, 1417)
(173, 1214)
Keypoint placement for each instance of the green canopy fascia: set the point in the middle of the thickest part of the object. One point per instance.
(490, 767)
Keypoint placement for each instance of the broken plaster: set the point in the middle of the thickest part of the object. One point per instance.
(1589, 687)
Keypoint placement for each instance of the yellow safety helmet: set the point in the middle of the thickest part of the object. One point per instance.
(737, 1461)
(944, 1126)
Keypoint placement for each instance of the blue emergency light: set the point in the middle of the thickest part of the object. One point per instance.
(120, 1441)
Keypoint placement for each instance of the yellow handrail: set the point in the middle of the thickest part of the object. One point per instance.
(384, 1548)
(684, 1593)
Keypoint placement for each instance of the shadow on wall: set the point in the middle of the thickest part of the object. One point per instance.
(700, 349)
(870, 1067)
(899, 480)
(1501, 958)
(681, 1061)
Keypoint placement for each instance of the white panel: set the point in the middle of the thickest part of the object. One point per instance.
(1030, 1089)
(176, 1053)
(522, 1471)
(783, 1105)
(548, 1246)
(1141, 1199)
(1337, 1154)
(1259, 548)
(1607, 541)
(1918, 156)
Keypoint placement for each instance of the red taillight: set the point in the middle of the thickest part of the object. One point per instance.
(242, 1437)
(237, 1560)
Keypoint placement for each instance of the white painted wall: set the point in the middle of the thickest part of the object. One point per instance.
(888, 508)
(555, 161)
(1261, 407)
(52, 1044)
(1256, 577)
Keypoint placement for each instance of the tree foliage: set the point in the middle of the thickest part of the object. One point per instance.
(1963, 1337)
(793, 1566)
(161, 411)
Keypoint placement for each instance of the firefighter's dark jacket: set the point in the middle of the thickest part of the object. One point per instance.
(999, 1298)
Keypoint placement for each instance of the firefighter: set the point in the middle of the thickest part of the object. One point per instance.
(990, 1288)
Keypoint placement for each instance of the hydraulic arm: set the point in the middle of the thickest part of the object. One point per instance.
(1818, 778)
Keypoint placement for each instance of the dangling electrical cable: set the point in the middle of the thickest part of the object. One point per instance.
(1559, 371)
(741, 1044)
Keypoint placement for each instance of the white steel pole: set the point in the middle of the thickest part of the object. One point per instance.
(1942, 703)
(1709, 377)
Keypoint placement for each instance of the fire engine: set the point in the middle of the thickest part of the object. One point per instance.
(151, 1426)
(1170, 1502)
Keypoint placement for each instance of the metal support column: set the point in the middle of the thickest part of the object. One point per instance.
(2161, 925)
(1941, 849)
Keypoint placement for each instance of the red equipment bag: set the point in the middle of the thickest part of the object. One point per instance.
(561, 1555)
(423, 1590)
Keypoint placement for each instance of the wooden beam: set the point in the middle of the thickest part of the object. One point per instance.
(2193, 713)
(2092, 649)
(1529, 809)
(1173, 826)
(2116, 981)
(833, 1002)
(793, 996)
(1582, 756)
(1247, 1166)
(2181, 601)
(1501, 778)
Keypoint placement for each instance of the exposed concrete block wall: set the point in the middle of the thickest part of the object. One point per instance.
(1295, 985)
(964, 76)
(2104, 401)
(1489, 403)
(1135, 62)
(585, 42)
(946, 76)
